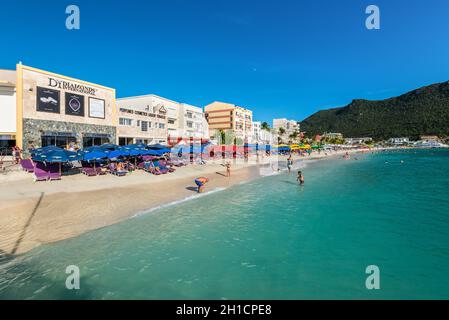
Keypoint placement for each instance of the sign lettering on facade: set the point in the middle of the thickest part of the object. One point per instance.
(69, 86)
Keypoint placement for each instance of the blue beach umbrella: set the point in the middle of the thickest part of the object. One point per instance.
(95, 149)
(136, 146)
(109, 146)
(136, 152)
(44, 149)
(157, 146)
(94, 156)
(117, 154)
(56, 156)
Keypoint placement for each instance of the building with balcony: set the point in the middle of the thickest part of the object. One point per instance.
(290, 126)
(227, 116)
(192, 125)
(154, 119)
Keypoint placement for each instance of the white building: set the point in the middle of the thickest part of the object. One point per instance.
(290, 126)
(8, 118)
(399, 141)
(257, 127)
(262, 136)
(171, 121)
(192, 123)
(355, 141)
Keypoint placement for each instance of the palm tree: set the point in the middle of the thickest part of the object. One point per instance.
(294, 136)
(281, 131)
(265, 126)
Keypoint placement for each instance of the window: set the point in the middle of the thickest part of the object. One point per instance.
(161, 125)
(58, 141)
(138, 123)
(97, 141)
(124, 141)
(171, 121)
(144, 126)
(189, 124)
(189, 115)
(125, 122)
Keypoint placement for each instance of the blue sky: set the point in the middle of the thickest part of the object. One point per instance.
(279, 58)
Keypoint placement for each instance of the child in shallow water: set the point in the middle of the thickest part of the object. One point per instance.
(300, 178)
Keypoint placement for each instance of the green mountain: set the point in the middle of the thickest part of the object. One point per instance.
(424, 111)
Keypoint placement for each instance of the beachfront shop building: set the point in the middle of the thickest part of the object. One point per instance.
(143, 119)
(52, 109)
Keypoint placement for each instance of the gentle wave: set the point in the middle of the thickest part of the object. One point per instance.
(173, 203)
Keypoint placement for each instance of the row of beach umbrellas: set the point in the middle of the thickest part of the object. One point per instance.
(53, 154)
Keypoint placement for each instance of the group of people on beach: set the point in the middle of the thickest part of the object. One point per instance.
(201, 181)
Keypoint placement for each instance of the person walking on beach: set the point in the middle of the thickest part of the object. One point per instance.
(300, 178)
(201, 182)
(228, 169)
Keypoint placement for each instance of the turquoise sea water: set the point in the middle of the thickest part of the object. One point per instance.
(268, 239)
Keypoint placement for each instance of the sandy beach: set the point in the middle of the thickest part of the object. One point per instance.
(32, 214)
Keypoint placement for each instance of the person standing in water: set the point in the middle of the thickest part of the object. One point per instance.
(289, 163)
(201, 182)
(300, 178)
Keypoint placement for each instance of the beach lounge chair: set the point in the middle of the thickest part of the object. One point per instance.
(113, 170)
(99, 170)
(27, 165)
(150, 168)
(40, 174)
(53, 172)
(175, 163)
(89, 171)
(162, 169)
(163, 165)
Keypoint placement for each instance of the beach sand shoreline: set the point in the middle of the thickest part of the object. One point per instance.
(32, 214)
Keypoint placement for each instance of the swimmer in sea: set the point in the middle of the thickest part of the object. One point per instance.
(289, 163)
(300, 178)
(200, 182)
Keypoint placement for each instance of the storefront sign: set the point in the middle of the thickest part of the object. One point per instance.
(74, 104)
(70, 86)
(96, 108)
(48, 100)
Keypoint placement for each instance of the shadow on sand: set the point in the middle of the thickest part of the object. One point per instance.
(22, 234)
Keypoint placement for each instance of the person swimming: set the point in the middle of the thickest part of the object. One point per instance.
(300, 178)
(201, 182)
